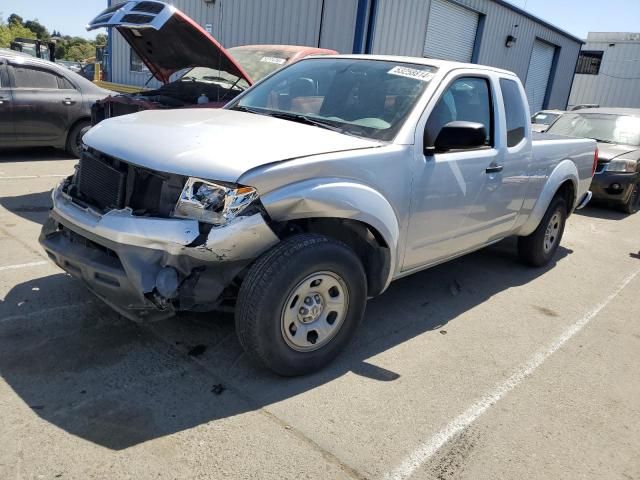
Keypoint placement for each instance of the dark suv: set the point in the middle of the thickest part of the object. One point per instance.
(43, 104)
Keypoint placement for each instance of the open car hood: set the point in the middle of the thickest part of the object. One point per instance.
(166, 39)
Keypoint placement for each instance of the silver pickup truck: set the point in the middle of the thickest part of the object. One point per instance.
(309, 193)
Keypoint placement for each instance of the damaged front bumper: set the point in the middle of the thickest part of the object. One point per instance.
(148, 268)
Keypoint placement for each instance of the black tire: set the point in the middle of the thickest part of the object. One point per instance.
(633, 204)
(537, 249)
(260, 310)
(74, 140)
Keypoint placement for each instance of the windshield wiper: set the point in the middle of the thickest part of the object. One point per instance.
(600, 140)
(242, 108)
(294, 117)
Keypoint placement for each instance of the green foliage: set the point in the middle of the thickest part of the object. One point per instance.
(36, 27)
(67, 47)
(12, 30)
(80, 51)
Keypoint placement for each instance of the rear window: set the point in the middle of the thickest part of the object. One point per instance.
(516, 115)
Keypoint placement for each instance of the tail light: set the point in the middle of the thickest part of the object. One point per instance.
(595, 162)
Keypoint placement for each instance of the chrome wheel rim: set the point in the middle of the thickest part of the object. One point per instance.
(314, 311)
(552, 233)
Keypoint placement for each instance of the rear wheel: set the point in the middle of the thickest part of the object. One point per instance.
(74, 140)
(300, 304)
(539, 248)
(633, 204)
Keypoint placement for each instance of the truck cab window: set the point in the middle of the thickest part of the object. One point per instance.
(467, 99)
(516, 117)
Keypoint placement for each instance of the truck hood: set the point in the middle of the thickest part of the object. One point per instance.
(166, 39)
(213, 144)
(609, 151)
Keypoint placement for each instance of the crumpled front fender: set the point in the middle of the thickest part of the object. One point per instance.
(337, 198)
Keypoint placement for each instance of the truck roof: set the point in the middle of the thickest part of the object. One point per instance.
(441, 64)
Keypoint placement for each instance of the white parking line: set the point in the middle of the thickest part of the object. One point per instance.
(427, 449)
(23, 265)
(22, 177)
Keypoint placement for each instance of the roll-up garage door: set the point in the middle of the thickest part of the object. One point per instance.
(451, 32)
(538, 74)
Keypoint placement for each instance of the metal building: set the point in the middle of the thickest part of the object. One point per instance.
(608, 71)
(491, 32)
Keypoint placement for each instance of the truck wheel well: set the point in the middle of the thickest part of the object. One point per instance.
(365, 241)
(568, 191)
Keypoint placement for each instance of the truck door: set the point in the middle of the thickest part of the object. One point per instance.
(458, 202)
(7, 132)
(43, 106)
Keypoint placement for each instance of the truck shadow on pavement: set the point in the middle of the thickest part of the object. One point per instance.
(602, 211)
(107, 380)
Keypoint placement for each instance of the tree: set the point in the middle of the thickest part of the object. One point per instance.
(11, 31)
(36, 27)
(101, 39)
(14, 18)
(80, 51)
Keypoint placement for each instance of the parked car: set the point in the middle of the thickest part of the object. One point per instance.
(311, 192)
(617, 131)
(541, 120)
(194, 68)
(43, 104)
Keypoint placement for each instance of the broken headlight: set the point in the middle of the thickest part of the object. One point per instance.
(211, 202)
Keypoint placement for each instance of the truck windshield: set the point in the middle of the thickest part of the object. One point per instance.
(366, 98)
(602, 127)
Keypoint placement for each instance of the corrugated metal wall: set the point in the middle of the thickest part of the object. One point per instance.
(618, 83)
(400, 28)
(241, 22)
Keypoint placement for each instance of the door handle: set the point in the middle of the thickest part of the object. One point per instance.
(494, 169)
(68, 101)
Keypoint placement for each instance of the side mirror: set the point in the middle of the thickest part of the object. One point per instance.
(459, 135)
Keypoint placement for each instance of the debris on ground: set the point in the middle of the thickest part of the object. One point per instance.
(218, 389)
(455, 288)
(197, 350)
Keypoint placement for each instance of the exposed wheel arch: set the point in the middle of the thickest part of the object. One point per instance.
(568, 191)
(368, 244)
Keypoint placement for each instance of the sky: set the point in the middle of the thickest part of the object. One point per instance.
(575, 16)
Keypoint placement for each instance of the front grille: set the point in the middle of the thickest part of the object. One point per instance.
(136, 18)
(148, 7)
(108, 183)
(100, 183)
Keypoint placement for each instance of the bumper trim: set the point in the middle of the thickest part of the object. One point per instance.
(585, 200)
(119, 256)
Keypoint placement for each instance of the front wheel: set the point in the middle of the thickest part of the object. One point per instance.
(300, 304)
(633, 204)
(74, 140)
(539, 248)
